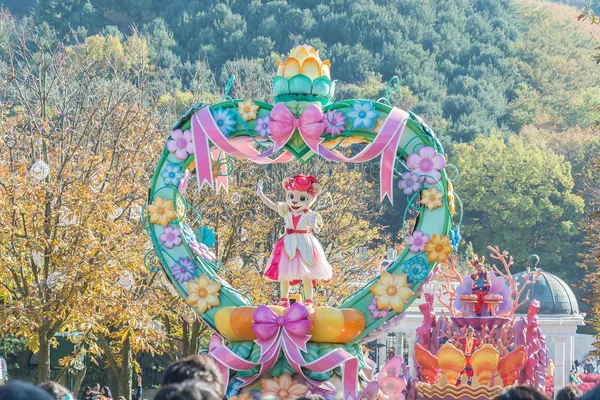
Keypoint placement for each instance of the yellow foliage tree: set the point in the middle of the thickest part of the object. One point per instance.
(79, 135)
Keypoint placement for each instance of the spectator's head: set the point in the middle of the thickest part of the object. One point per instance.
(56, 390)
(96, 387)
(16, 390)
(87, 390)
(106, 392)
(188, 390)
(198, 368)
(311, 397)
(593, 394)
(568, 393)
(522, 393)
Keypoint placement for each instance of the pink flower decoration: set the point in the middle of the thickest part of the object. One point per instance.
(427, 163)
(181, 144)
(183, 183)
(202, 250)
(336, 122)
(171, 237)
(375, 312)
(417, 241)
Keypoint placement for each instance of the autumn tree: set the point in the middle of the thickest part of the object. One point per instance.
(78, 135)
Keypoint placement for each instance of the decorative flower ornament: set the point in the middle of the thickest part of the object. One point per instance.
(417, 241)
(202, 250)
(416, 268)
(378, 125)
(451, 206)
(171, 237)
(455, 237)
(183, 183)
(161, 211)
(283, 388)
(203, 294)
(376, 312)
(427, 163)
(262, 126)
(363, 114)
(183, 269)
(303, 60)
(439, 248)
(432, 198)
(224, 119)
(410, 182)
(206, 235)
(392, 291)
(247, 109)
(181, 144)
(171, 175)
(336, 122)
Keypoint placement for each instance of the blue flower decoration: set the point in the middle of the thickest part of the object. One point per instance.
(416, 269)
(455, 238)
(171, 174)
(224, 119)
(206, 235)
(363, 114)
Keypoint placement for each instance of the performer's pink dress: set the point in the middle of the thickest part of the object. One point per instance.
(298, 254)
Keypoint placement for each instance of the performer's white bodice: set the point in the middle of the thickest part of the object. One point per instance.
(299, 242)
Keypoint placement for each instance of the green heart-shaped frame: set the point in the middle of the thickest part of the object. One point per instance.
(190, 272)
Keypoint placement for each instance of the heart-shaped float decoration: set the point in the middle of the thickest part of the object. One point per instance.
(299, 126)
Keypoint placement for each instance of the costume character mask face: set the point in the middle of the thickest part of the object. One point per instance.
(301, 192)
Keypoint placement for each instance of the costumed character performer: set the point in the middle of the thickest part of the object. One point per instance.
(298, 255)
(468, 345)
(481, 283)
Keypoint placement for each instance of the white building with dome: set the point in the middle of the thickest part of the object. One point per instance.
(559, 318)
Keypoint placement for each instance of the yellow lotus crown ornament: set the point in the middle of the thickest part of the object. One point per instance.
(304, 60)
(303, 77)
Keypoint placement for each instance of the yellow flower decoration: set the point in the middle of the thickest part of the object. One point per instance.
(379, 124)
(432, 198)
(180, 209)
(439, 248)
(203, 293)
(303, 60)
(451, 198)
(161, 211)
(283, 388)
(247, 110)
(392, 291)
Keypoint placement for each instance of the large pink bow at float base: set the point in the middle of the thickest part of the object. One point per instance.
(288, 334)
(310, 125)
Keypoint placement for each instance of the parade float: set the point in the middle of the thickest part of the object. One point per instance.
(478, 346)
(291, 348)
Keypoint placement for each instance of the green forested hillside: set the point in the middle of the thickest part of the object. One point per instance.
(471, 64)
(494, 68)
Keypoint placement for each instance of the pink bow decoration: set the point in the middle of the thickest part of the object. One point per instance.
(291, 331)
(283, 123)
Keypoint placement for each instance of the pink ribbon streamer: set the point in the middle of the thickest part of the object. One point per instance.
(384, 144)
(283, 124)
(204, 129)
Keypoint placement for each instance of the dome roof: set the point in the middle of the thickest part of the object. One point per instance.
(554, 295)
